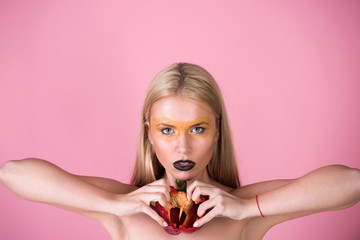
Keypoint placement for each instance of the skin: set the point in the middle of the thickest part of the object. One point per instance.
(124, 210)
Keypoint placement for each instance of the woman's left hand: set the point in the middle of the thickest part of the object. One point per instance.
(220, 203)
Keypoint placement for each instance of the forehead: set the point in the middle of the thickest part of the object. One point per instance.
(180, 109)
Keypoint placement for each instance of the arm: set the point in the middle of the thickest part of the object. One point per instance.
(325, 189)
(99, 198)
(41, 181)
(328, 188)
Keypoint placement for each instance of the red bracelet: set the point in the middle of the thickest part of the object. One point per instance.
(257, 202)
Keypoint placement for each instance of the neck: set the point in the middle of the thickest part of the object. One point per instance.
(203, 176)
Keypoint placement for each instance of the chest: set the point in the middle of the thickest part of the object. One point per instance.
(141, 226)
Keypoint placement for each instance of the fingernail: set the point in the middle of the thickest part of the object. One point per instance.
(188, 197)
(165, 224)
(196, 224)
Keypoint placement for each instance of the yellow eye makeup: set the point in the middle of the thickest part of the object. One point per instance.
(170, 130)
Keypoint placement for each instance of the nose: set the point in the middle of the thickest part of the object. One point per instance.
(183, 144)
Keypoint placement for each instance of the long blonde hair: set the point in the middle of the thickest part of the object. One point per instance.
(194, 82)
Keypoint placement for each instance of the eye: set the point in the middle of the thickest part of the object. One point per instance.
(198, 130)
(167, 131)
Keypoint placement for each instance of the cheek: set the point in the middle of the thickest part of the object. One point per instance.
(163, 150)
(204, 149)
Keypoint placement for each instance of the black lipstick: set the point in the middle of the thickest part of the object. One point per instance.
(184, 165)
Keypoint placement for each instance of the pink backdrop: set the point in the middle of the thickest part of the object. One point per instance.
(73, 76)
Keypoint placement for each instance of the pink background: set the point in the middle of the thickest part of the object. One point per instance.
(73, 75)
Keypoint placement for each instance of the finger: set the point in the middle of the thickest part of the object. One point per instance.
(208, 217)
(193, 185)
(159, 186)
(208, 205)
(155, 189)
(196, 184)
(151, 213)
(210, 191)
(152, 197)
(158, 197)
(161, 198)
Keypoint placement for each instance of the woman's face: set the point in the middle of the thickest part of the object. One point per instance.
(182, 132)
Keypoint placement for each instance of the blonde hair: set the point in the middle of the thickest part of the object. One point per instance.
(194, 82)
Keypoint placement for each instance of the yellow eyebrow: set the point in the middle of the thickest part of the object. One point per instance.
(169, 121)
(194, 125)
(200, 123)
(164, 124)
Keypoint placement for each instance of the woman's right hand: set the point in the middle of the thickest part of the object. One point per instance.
(139, 201)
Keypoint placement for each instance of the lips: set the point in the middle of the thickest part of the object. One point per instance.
(184, 165)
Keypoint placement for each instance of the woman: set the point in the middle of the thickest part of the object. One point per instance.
(184, 135)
